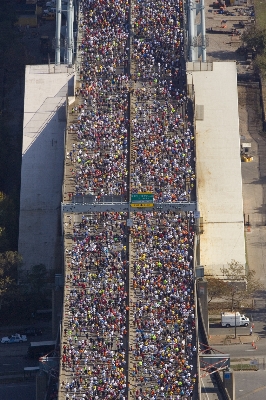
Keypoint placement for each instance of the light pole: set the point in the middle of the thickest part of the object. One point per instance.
(235, 305)
(235, 324)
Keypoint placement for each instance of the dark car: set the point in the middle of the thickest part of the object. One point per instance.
(31, 332)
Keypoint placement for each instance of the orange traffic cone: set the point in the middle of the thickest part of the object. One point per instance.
(252, 344)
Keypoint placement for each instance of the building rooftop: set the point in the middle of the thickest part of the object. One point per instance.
(218, 164)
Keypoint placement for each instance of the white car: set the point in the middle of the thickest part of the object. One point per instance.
(17, 338)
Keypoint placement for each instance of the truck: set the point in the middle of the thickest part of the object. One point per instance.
(17, 338)
(233, 319)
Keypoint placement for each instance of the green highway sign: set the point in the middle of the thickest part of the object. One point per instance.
(145, 197)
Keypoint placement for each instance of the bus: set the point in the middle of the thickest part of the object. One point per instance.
(39, 349)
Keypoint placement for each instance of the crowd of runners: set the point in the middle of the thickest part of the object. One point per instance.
(162, 139)
(161, 135)
(163, 313)
(95, 329)
(130, 335)
(100, 155)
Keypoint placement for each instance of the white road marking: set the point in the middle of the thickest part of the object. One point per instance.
(17, 384)
(204, 388)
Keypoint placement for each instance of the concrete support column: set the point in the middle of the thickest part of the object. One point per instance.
(58, 31)
(202, 288)
(69, 33)
(203, 32)
(57, 302)
(191, 31)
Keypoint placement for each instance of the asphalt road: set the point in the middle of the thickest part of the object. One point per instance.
(18, 391)
(250, 385)
(216, 329)
(13, 356)
(244, 350)
(12, 362)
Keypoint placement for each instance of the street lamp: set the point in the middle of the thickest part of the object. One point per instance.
(235, 304)
(235, 324)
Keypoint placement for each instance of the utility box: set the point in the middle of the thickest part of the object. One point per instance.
(229, 382)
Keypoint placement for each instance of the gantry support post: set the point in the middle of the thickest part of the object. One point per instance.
(58, 31)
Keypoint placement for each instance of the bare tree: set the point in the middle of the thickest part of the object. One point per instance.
(236, 286)
(216, 288)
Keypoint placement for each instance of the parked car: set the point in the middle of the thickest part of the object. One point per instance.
(31, 332)
(17, 338)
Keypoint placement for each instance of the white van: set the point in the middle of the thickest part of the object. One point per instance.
(233, 319)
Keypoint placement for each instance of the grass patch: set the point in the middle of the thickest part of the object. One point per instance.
(260, 13)
(244, 367)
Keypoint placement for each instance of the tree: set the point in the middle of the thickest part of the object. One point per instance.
(254, 39)
(235, 280)
(260, 64)
(8, 223)
(241, 285)
(236, 286)
(18, 302)
(10, 261)
(216, 288)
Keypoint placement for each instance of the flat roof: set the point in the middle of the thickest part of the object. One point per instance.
(42, 163)
(218, 166)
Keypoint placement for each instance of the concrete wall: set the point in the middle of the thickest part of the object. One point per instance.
(42, 164)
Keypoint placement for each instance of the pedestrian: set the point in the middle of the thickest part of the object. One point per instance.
(161, 145)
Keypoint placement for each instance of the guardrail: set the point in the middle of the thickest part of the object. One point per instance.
(98, 206)
(215, 375)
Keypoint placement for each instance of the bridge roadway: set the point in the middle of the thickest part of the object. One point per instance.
(128, 321)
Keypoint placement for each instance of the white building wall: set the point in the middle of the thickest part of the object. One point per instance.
(42, 164)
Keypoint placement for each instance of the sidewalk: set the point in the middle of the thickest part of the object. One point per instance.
(253, 175)
(230, 339)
